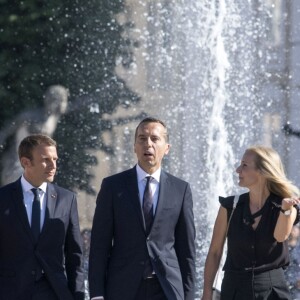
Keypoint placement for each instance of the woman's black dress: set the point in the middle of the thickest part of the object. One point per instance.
(255, 260)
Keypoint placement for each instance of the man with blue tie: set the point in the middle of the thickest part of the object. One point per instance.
(143, 234)
(40, 241)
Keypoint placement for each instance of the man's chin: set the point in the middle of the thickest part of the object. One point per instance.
(50, 179)
(147, 166)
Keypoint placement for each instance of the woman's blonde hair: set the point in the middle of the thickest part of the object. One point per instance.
(268, 161)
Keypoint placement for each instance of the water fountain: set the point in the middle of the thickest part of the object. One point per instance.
(204, 64)
(206, 57)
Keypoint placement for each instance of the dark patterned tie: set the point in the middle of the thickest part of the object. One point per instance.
(36, 214)
(148, 205)
(148, 216)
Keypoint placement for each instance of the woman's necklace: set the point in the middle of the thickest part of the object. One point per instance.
(256, 205)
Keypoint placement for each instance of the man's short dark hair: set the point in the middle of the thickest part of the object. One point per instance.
(152, 120)
(30, 142)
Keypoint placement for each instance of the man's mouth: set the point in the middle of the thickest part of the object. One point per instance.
(148, 154)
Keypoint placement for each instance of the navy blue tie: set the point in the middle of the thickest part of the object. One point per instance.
(36, 214)
(148, 205)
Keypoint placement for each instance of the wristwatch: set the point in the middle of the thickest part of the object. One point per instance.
(286, 212)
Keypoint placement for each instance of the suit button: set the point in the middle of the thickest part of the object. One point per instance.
(142, 263)
(148, 239)
(33, 272)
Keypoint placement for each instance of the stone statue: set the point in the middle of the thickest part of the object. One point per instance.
(42, 120)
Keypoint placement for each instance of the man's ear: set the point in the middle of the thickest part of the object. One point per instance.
(25, 162)
(167, 149)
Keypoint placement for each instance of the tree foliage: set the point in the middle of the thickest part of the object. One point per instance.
(75, 44)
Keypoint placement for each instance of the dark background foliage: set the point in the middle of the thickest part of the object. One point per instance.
(76, 44)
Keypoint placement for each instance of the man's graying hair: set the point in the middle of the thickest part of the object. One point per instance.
(152, 120)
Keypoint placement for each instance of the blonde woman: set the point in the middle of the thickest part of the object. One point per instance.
(258, 232)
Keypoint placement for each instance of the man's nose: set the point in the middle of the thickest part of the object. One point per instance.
(53, 164)
(148, 141)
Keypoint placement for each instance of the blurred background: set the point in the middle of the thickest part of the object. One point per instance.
(222, 74)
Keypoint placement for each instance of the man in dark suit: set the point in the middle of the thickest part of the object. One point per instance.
(40, 242)
(143, 235)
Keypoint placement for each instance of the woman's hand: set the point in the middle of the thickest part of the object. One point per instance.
(287, 203)
(285, 221)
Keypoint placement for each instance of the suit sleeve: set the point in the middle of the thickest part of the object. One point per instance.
(101, 240)
(73, 254)
(185, 245)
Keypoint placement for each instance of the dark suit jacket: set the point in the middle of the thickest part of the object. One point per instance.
(58, 251)
(116, 269)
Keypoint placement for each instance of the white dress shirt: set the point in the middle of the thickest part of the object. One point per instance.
(28, 197)
(154, 185)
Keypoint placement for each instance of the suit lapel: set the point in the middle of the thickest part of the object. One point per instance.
(133, 192)
(20, 208)
(51, 199)
(164, 187)
(51, 202)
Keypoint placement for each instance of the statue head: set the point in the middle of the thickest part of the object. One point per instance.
(56, 99)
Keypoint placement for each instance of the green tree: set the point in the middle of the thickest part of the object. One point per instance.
(75, 44)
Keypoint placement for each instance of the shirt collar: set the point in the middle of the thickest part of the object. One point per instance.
(141, 174)
(26, 186)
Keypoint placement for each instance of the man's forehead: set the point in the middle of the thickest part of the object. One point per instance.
(44, 150)
(153, 132)
(152, 127)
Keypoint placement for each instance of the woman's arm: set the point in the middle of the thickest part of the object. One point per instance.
(214, 253)
(285, 222)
